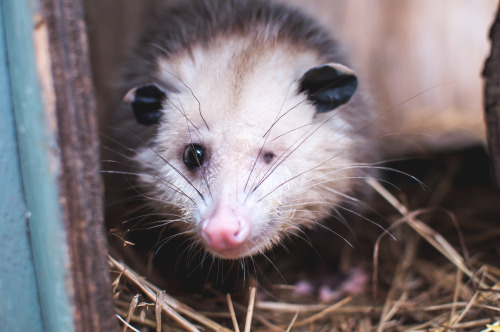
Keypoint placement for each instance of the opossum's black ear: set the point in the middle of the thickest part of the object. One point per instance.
(146, 101)
(329, 86)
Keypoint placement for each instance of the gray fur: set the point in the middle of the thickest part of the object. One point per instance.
(195, 22)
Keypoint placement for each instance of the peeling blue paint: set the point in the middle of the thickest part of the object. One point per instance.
(20, 307)
(44, 229)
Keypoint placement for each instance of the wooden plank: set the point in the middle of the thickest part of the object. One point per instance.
(20, 306)
(491, 75)
(80, 185)
(55, 122)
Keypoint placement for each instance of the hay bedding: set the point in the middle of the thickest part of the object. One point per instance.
(442, 273)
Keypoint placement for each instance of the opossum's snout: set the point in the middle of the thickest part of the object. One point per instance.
(235, 221)
(226, 231)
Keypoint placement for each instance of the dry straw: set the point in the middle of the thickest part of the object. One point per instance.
(451, 292)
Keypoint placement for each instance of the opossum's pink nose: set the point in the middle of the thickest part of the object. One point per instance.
(225, 229)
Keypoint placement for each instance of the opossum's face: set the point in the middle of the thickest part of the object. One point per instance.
(248, 147)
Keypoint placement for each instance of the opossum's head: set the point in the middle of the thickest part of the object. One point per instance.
(250, 144)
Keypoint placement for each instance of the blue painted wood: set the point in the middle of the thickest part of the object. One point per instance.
(40, 166)
(20, 309)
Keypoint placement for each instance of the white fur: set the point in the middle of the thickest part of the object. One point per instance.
(242, 89)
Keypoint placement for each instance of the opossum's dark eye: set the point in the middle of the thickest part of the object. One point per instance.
(268, 157)
(194, 155)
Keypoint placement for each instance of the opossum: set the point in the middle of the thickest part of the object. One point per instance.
(258, 125)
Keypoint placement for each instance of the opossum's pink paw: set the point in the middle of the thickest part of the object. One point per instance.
(303, 288)
(326, 294)
(330, 288)
(354, 284)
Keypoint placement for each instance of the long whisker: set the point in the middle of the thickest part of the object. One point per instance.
(276, 163)
(292, 130)
(361, 166)
(383, 168)
(178, 172)
(369, 220)
(151, 215)
(320, 225)
(275, 267)
(342, 208)
(203, 170)
(295, 149)
(156, 224)
(182, 82)
(194, 96)
(164, 241)
(183, 112)
(353, 200)
(266, 137)
(338, 216)
(282, 115)
(138, 174)
(279, 118)
(167, 184)
(346, 135)
(162, 158)
(322, 183)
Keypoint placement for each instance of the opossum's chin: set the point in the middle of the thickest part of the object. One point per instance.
(232, 254)
(249, 249)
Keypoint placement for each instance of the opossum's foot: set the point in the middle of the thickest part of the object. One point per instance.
(330, 288)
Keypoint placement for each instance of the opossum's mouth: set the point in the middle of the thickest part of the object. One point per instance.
(232, 253)
(248, 248)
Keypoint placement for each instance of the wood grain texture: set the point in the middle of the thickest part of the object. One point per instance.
(80, 186)
(491, 75)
